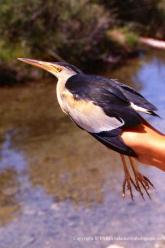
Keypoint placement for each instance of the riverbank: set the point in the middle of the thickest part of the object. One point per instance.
(83, 33)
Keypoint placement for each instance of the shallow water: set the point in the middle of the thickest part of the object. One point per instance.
(61, 188)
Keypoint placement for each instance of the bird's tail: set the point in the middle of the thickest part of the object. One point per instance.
(113, 141)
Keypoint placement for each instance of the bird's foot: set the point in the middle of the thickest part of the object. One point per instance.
(140, 182)
(127, 185)
(143, 184)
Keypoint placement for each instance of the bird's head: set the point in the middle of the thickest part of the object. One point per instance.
(58, 69)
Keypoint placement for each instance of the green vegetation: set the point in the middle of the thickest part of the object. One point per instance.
(76, 31)
(68, 29)
(123, 37)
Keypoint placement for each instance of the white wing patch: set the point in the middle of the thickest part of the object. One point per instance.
(87, 115)
(139, 109)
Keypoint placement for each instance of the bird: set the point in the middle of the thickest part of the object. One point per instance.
(103, 107)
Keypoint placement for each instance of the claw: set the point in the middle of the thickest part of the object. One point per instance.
(128, 180)
(146, 190)
(141, 180)
(124, 183)
(151, 184)
(140, 183)
(127, 184)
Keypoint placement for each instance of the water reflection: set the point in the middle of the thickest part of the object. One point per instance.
(152, 76)
(79, 175)
(10, 157)
(11, 163)
(9, 207)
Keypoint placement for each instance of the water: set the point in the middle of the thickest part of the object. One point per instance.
(61, 188)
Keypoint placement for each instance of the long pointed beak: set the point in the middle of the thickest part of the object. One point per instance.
(48, 66)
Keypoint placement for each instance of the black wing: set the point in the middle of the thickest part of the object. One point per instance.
(133, 96)
(114, 98)
(113, 141)
(106, 94)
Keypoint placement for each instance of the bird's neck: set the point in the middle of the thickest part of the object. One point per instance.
(63, 79)
(60, 88)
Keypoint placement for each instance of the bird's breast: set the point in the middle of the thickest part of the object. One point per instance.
(85, 113)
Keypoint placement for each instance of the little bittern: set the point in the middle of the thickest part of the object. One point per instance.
(103, 107)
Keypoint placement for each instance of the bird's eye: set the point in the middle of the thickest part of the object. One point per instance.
(58, 69)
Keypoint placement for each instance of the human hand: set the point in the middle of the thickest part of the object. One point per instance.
(148, 143)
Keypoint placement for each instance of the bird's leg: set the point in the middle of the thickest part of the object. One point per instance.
(141, 181)
(128, 179)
